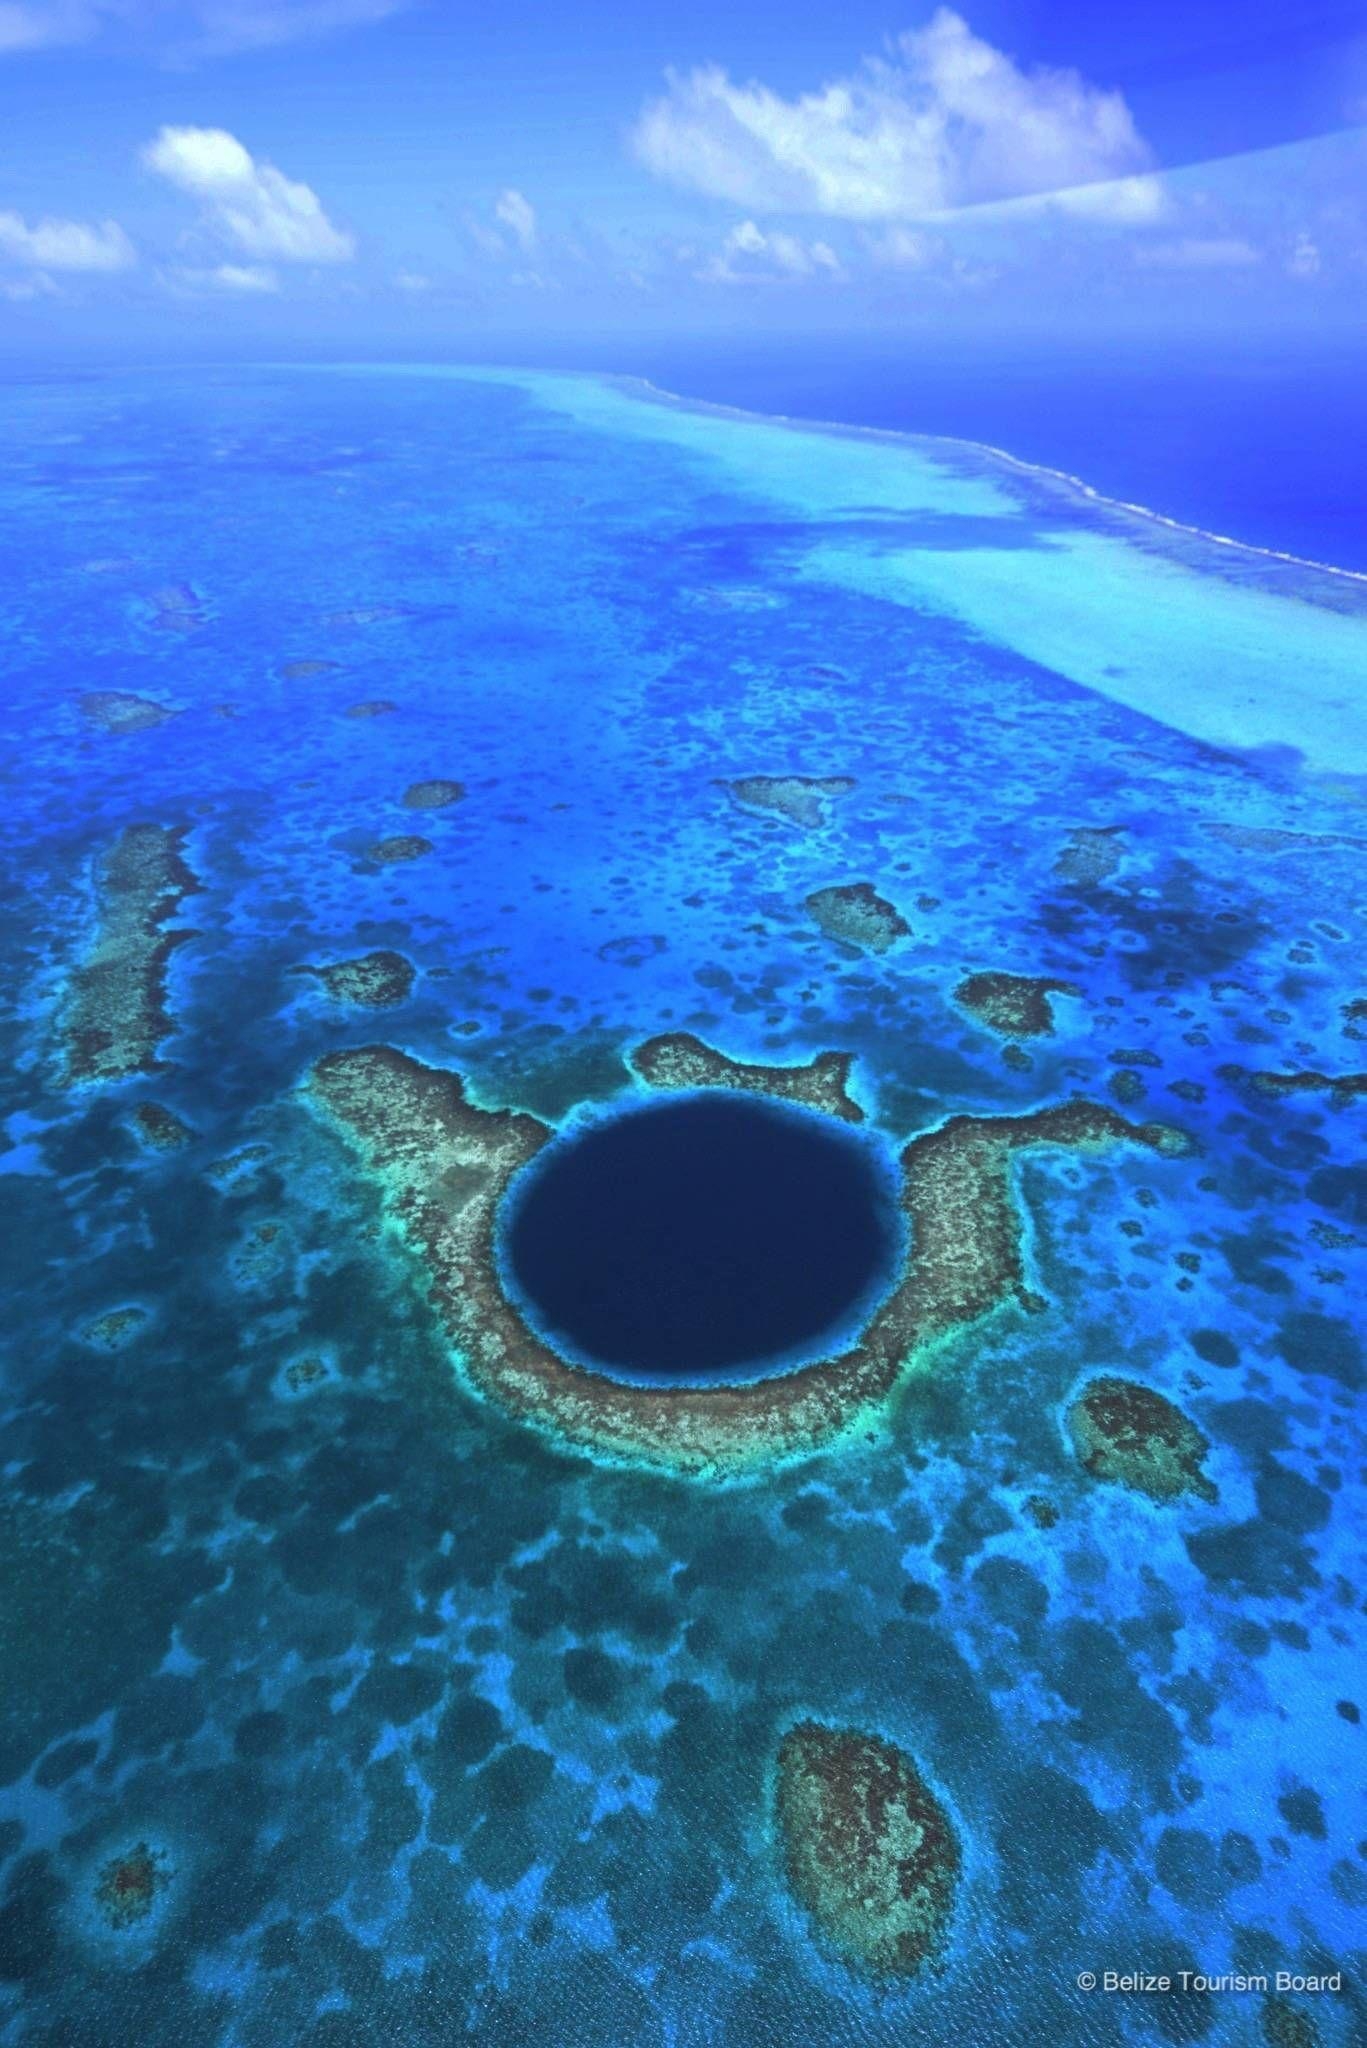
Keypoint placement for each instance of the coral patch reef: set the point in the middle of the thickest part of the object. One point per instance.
(128, 1886)
(116, 1015)
(399, 846)
(1130, 1434)
(122, 711)
(1013, 1005)
(801, 799)
(434, 795)
(375, 981)
(856, 915)
(159, 1128)
(677, 1059)
(870, 1852)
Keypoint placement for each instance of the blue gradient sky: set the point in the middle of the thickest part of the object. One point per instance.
(358, 176)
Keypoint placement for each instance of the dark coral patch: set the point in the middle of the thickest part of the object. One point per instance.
(115, 1328)
(121, 711)
(374, 707)
(376, 981)
(1013, 1005)
(870, 1852)
(159, 1128)
(434, 795)
(116, 1014)
(1130, 1434)
(1341, 1088)
(1286, 2026)
(303, 671)
(129, 1885)
(400, 846)
(856, 915)
(801, 799)
(303, 1374)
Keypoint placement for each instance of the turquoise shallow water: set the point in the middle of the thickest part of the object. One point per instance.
(432, 1727)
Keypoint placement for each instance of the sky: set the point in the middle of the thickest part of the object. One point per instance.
(349, 178)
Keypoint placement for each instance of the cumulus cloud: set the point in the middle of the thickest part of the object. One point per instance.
(249, 204)
(65, 244)
(942, 122)
(184, 26)
(749, 255)
(518, 215)
(1197, 252)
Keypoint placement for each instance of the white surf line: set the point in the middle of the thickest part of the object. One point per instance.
(910, 437)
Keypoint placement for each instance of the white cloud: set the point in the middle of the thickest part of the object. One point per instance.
(903, 249)
(485, 238)
(45, 24)
(189, 27)
(411, 281)
(749, 255)
(1305, 259)
(226, 25)
(944, 122)
(36, 285)
(66, 244)
(240, 277)
(1195, 252)
(1121, 202)
(518, 215)
(250, 204)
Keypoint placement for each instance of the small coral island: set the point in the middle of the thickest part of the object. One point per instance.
(446, 1166)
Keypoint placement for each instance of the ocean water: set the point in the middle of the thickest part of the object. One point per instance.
(341, 1707)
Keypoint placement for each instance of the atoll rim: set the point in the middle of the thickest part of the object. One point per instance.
(446, 1166)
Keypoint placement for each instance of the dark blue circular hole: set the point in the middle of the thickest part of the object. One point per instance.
(709, 1236)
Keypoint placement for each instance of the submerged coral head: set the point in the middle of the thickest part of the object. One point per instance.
(711, 1236)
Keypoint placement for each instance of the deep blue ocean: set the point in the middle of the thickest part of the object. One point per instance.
(471, 732)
